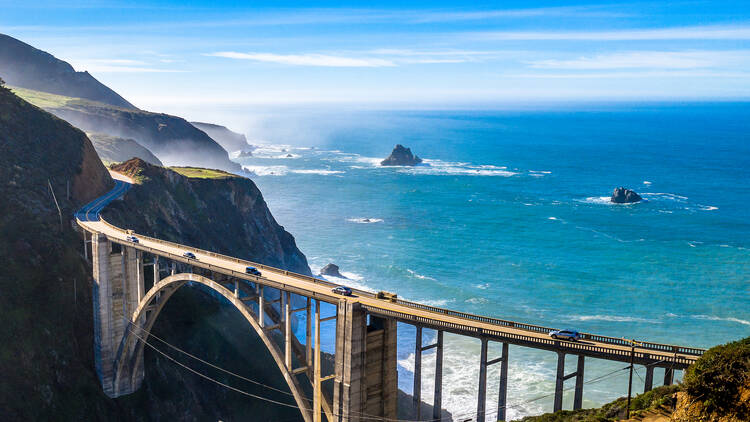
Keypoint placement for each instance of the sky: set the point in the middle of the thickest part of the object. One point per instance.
(162, 55)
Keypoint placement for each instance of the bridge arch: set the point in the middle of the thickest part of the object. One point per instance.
(129, 361)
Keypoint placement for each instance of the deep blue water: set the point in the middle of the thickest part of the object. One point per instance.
(509, 218)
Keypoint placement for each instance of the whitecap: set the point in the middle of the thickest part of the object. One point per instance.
(551, 218)
(727, 319)
(708, 208)
(267, 170)
(665, 195)
(436, 303)
(365, 220)
(319, 172)
(477, 300)
(447, 168)
(598, 200)
(419, 276)
(612, 318)
(484, 286)
(646, 182)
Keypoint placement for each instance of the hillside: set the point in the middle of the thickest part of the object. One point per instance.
(230, 141)
(172, 139)
(25, 66)
(226, 215)
(112, 149)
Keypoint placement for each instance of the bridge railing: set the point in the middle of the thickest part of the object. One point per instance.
(565, 346)
(442, 311)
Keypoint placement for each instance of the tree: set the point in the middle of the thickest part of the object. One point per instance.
(2, 82)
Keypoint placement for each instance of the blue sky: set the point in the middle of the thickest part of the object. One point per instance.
(167, 54)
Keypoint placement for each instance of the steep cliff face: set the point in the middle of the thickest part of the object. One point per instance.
(115, 150)
(25, 66)
(222, 212)
(45, 294)
(230, 141)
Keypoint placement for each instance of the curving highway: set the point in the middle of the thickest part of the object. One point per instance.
(599, 346)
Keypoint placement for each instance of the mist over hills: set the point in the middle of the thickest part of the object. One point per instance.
(28, 67)
(84, 102)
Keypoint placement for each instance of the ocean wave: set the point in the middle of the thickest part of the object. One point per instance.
(419, 276)
(484, 286)
(717, 318)
(447, 168)
(365, 220)
(664, 196)
(267, 170)
(598, 200)
(321, 172)
(436, 303)
(612, 318)
(646, 182)
(708, 208)
(477, 300)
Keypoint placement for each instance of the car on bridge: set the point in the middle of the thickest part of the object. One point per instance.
(189, 255)
(253, 271)
(567, 334)
(342, 290)
(132, 239)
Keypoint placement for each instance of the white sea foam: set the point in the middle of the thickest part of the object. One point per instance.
(419, 276)
(437, 302)
(365, 220)
(708, 208)
(477, 300)
(484, 286)
(716, 318)
(526, 378)
(321, 172)
(267, 170)
(447, 168)
(612, 318)
(646, 182)
(552, 218)
(598, 200)
(664, 196)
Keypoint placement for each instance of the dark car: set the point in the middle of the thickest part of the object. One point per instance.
(342, 290)
(252, 271)
(189, 255)
(567, 334)
(131, 239)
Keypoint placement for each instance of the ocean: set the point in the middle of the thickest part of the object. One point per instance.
(509, 217)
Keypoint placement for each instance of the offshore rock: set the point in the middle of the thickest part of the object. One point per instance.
(624, 196)
(332, 270)
(401, 156)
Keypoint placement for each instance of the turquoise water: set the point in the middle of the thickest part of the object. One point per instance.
(510, 218)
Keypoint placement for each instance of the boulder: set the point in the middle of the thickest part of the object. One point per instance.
(332, 270)
(401, 156)
(624, 196)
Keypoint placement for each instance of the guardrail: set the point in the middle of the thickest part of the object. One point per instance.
(674, 349)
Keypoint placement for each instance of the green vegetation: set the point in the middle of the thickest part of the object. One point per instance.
(613, 411)
(201, 173)
(719, 378)
(47, 100)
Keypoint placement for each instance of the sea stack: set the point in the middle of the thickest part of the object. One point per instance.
(624, 196)
(332, 270)
(401, 156)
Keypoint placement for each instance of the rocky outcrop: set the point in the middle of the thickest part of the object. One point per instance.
(112, 149)
(401, 156)
(230, 141)
(331, 270)
(225, 215)
(624, 196)
(27, 67)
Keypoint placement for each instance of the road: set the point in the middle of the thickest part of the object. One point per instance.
(448, 320)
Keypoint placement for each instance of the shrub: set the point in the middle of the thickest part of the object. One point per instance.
(718, 378)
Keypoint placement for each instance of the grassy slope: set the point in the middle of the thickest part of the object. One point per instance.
(201, 173)
(47, 100)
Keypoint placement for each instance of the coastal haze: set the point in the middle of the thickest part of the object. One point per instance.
(525, 117)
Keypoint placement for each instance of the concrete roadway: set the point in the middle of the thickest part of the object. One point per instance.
(93, 223)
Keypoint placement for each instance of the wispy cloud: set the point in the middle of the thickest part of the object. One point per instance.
(633, 75)
(468, 15)
(118, 66)
(677, 33)
(323, 60)
(647, 59)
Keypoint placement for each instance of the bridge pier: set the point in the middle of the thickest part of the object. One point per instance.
(437, 403)
(648, 383)
(118, 282)
(417, 385)
(366, 375)
(560, 382)
(668, 376)
(503, 390)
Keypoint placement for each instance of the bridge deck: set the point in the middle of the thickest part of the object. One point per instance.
(438, 318)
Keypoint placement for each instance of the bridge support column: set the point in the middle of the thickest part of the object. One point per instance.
(366, 375)
(648, 384)
(317, 385)
(503, 390)
(668, 376)
(559, 381)
(437, 404)
(287, 330)
(482, 396)
(417, 385)
(578, 398)
(157, 275)
(117, 280)
(262, 308)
